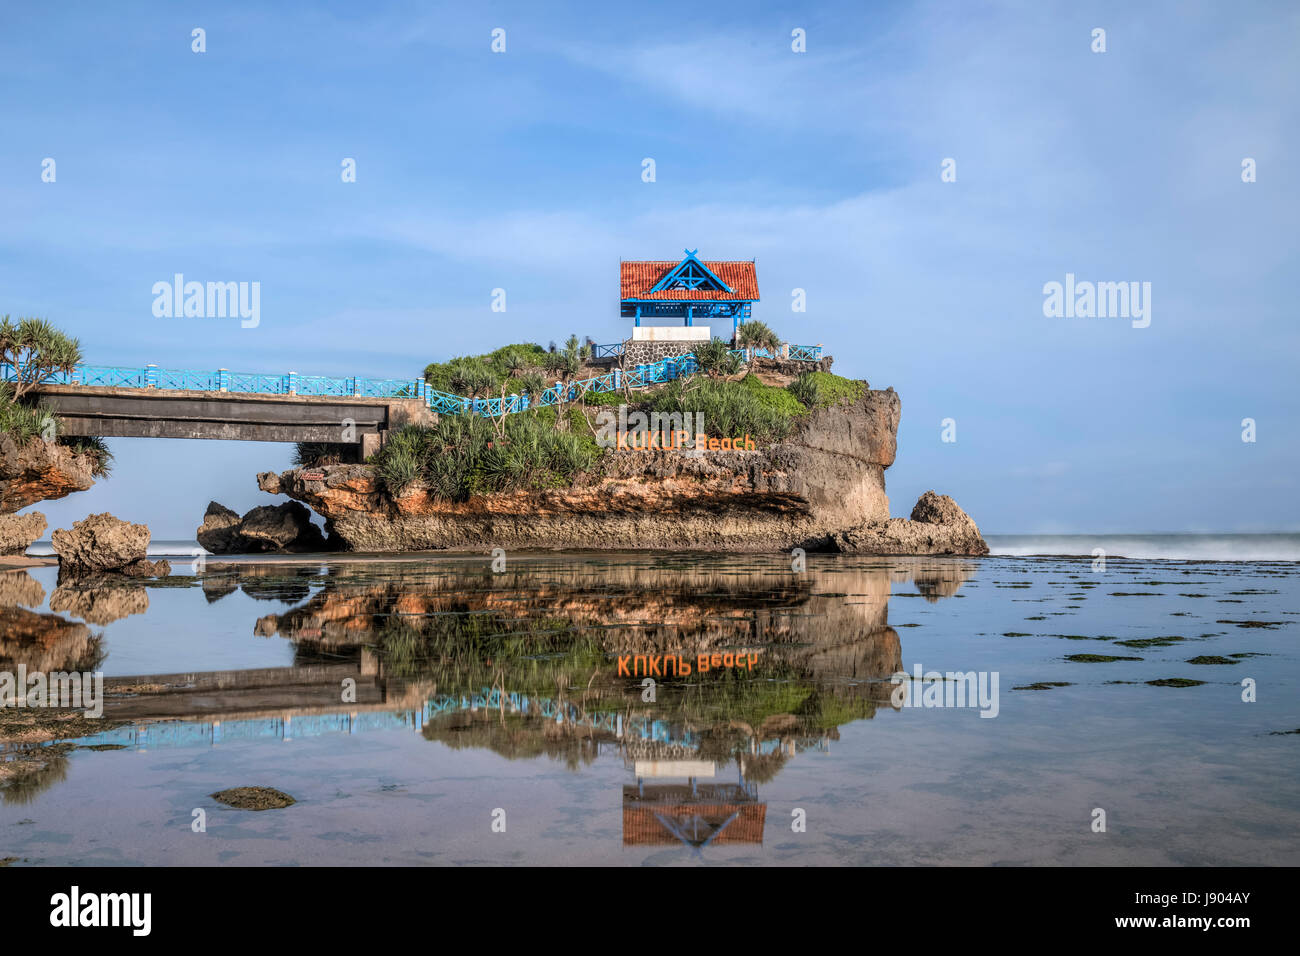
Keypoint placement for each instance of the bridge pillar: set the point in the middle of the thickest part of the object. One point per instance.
(151, 376)
(369, 444)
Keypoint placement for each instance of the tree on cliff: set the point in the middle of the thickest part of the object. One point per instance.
(757, 335)
(34, 350)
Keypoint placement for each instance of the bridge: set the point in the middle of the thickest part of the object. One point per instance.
(153, 402)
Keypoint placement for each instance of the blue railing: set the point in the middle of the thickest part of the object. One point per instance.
(223, 380)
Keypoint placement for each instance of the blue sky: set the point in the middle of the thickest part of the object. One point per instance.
(522, 170)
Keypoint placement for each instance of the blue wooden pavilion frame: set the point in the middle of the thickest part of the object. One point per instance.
(694, 276)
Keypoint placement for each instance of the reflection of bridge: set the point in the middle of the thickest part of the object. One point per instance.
(285, 703)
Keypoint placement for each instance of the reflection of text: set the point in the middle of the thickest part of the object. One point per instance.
(658, 665)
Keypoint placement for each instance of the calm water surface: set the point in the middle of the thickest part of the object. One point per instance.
(478, 692)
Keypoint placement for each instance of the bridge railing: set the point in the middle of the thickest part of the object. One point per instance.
(223, 380)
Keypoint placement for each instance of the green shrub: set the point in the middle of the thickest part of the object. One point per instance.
(779, 399)
(23, 422)
(730, 409)
(715, 359)
(464, 455)
(823, 389)
(97, 448)
(309, 454)
(492, 370)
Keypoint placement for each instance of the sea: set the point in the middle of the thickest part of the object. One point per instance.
(1069, 699)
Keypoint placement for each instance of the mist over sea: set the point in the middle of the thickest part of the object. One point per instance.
(1172, 547)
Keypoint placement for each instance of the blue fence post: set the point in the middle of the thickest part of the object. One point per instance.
(291, 383)
(223, 379)
(618, 378)
(151, 376)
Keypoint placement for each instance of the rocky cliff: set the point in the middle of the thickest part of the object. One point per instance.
(821, 489)
(38, 471)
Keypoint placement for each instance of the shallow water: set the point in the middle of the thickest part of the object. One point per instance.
(487, 698)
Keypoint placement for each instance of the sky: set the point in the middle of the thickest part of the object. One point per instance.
(522, 170)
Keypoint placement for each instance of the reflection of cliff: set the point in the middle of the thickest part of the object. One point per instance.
(638, 605)
(46, 642)
(546, 624)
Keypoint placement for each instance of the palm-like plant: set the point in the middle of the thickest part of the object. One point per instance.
(533, 384)
(35, 350)
(757, 335)
(553, 362)
(515, 363)
(715, 359)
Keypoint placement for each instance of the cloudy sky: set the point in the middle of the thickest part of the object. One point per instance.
(522, 170)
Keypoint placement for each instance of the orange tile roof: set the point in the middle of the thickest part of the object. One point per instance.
(638, 276)
(641, 828)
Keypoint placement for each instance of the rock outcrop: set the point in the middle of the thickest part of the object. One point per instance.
(937, 526)
(825, 478)
(39, 471)
(219, 532)
(101, 543)
(284, 527)
(17, 532)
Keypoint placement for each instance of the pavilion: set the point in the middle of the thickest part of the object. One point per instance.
(687, 291)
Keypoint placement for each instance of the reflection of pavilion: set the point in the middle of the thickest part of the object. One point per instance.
(693, 813)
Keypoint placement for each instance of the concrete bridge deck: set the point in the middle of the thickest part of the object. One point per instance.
(127, 412)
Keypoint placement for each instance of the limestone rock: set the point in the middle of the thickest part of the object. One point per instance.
(828, 474)
(822, 488)
(17, 532)
(219, 532)
(104, 543)
(267, 528)
(39, 471)
(937, 526)
(281, 527)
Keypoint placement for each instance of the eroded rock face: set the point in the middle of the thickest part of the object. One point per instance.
(17, 532)
(937, 526)
(101, 543)
(219, 532)
(821, 489)
(39, 471)
(826, 476)
(282, 527)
